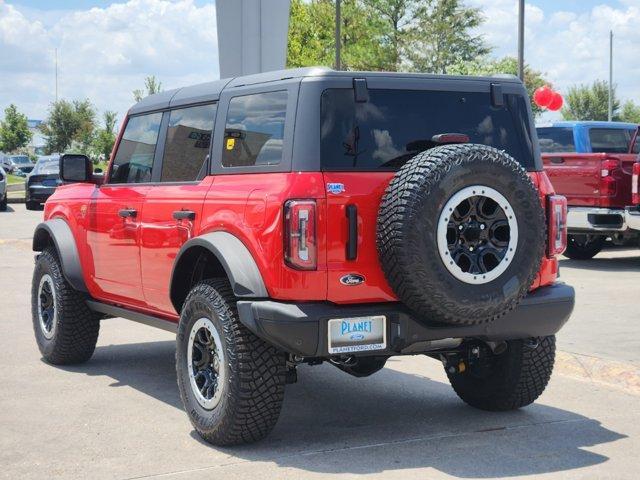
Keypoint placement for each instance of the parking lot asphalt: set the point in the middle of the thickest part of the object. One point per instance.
(119, 415)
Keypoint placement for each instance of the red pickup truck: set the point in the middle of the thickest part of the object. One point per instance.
(592, 165)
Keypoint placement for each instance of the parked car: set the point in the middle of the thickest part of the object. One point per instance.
(591, 164)
(309, 216)
(42, 181)
(19, 165)
(3, 190)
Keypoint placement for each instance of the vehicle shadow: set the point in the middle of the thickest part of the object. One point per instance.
(392, 421)
(9, 209)
(628, 263)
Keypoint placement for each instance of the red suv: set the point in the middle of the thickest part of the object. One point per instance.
(310, 215)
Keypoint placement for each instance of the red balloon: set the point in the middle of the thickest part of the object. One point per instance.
(556, 102)
(543, 96)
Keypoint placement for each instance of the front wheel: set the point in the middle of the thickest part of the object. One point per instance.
(510, 380)
(231, 382)
(583, 247)
(66, 329)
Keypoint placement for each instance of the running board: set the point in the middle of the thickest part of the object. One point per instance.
(138, 317)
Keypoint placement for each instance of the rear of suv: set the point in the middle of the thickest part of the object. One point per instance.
(310, 216)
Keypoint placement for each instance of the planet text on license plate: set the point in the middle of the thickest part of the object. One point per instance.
(360, 334)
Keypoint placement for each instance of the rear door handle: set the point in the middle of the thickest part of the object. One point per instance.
(184, 215)
(352, 232)
(128, 213)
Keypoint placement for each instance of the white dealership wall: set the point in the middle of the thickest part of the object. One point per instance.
(252, 35)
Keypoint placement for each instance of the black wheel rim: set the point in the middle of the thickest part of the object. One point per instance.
(206, 363)
(47, 306)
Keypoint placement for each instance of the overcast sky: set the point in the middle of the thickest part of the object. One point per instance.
(106, 48)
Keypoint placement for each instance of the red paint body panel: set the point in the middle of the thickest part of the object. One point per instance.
(577, 176)
(129, 261)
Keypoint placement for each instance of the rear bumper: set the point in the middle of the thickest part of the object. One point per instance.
(301, 328)
(593, 219)
(632, 217)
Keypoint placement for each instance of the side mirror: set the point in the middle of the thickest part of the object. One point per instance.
(76, 168)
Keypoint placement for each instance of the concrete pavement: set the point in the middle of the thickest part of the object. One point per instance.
(119, 415)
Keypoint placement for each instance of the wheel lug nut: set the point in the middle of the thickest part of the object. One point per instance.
(482, 227)
(460, 227)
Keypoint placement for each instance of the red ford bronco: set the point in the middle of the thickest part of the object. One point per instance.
(310, 216)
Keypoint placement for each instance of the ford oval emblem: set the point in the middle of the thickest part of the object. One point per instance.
(352, 279)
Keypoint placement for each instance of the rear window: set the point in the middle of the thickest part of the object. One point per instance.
(395, 125)
(556, 139)
(610, 140)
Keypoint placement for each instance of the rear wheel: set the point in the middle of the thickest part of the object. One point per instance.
(66, 329)
(231, 382)
(510, 380)
(583, 246)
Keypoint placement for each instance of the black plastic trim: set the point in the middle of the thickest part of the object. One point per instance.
(302, 328)
(235, 258)
(134, 316)
(60, 233)
(352, 227)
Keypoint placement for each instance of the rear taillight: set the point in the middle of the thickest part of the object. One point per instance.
(300, 248)
(635, 184)
(557, 217)
(607, 178)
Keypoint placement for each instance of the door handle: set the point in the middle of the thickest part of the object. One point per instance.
(557, 160)
(184, 215)
(128, 213)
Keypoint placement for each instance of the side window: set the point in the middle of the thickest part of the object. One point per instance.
(134, 158)
(609, 140)
(254, 130)
(187, 144)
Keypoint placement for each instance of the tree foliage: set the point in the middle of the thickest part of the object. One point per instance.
(630, 112)
(14, 130)
(391, 35)
(590, 102)
(151, 85)
(509, 65)
(105, 137)
(69, 125)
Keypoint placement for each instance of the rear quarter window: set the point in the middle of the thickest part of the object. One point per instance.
(556, 139)
(395, 125)
(610, 140)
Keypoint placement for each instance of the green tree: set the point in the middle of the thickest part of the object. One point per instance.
(151, 86)
(442, 36)
(14, 130)
(590, 102)
(509, 65)
(105, 137)
(399, 22)
(630, 112)
(69, 125)
(312, 42)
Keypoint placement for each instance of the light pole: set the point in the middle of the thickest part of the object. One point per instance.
(610, 116)
(338, 37)
(521, 40)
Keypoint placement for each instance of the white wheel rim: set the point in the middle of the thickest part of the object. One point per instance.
(207, 400)
(447, 254)
(47, 306)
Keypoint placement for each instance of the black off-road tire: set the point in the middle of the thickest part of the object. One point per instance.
(407, 233)
(255, 371)
(517, 377)
(583, 247)
(76, 326)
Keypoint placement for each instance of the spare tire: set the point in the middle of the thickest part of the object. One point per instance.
(461, 234)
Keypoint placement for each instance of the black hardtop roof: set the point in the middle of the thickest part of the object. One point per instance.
(210, 91)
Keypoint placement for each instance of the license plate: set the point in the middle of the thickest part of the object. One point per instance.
(359, 334)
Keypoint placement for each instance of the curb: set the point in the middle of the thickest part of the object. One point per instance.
(612, 373)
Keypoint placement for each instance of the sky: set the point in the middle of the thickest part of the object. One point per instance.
(107, 47)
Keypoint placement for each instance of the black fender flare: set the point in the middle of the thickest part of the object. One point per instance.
(234, 257)
(58, 232)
